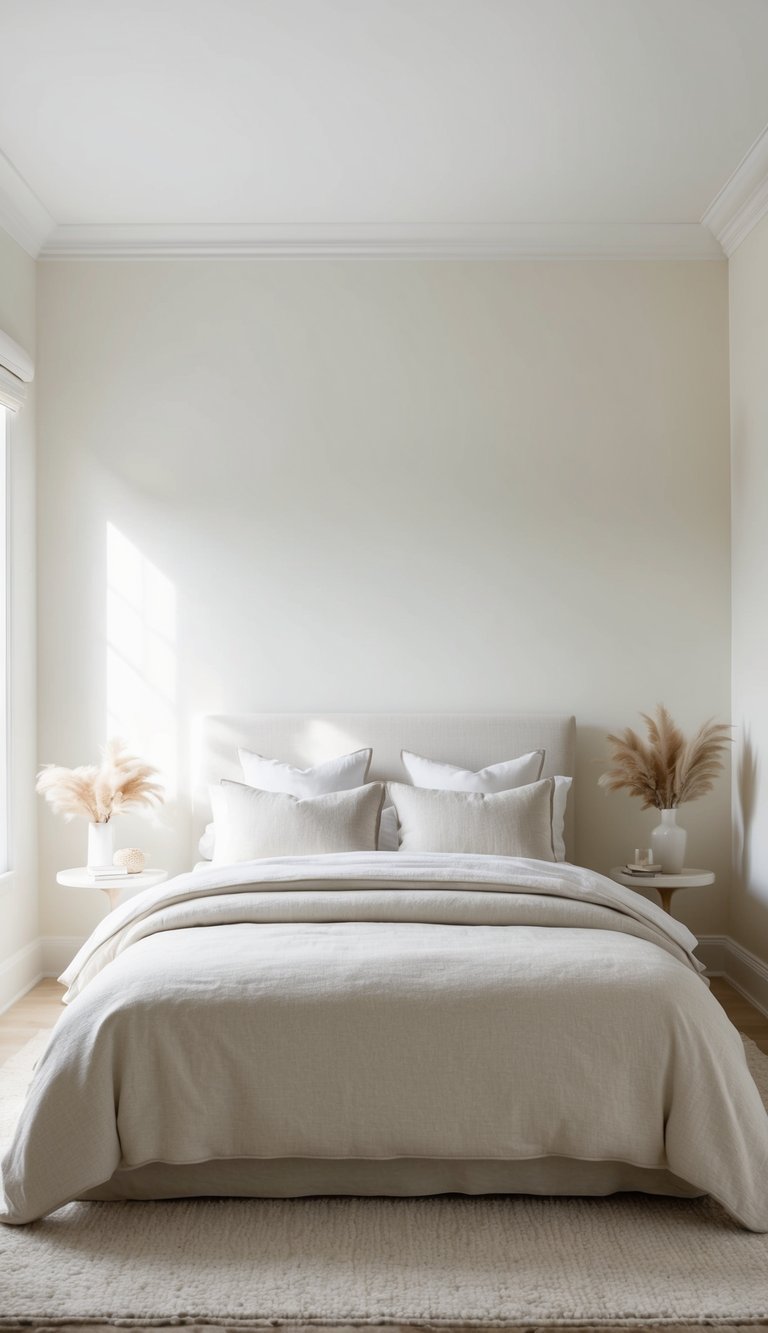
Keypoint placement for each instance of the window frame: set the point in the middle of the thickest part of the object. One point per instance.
(6, 822)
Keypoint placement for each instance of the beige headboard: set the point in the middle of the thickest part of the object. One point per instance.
(472, 740)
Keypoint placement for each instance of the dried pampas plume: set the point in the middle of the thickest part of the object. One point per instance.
(666, 769)
(123, 782)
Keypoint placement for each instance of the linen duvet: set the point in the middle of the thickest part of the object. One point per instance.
(389, 1023)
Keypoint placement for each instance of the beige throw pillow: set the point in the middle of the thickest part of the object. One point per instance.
(250, 823)
(509, 823)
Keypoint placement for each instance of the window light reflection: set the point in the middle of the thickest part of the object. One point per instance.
(141, 655)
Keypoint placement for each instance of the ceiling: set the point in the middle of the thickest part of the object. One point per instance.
(169, 122)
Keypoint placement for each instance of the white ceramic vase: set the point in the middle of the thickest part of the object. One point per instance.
(668, 842)
(100, 844)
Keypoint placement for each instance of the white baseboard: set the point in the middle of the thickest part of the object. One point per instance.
(712, 950)
(47, 956)
(57, 952)
(20, 973)
(725, 957)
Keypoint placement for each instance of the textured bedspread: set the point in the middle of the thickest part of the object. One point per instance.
(383, 1006)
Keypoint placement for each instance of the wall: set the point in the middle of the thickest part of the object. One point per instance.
(749, 428)
(19, 950)
(381, 486)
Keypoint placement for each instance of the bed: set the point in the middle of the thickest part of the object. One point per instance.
(400, 1023)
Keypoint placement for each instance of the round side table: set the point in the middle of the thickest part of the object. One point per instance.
(666, 885)
(79, 878)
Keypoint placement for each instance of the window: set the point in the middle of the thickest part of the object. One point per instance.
(16, 372)
(5, 858)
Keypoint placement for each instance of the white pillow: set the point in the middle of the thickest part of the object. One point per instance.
(506, 823)
(389, 838)
(498, 777)
(340, 774)
(559, 803)
(250, 823)
(207, 843)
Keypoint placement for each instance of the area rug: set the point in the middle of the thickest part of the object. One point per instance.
(629, 1261)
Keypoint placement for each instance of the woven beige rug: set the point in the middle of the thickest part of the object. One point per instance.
(527, 1263)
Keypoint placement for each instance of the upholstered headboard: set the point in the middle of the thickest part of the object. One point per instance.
(472, 740)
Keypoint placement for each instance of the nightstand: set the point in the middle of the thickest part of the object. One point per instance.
(665, 884)
(80, 879)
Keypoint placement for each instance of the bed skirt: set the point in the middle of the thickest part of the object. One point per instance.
(297, 1177)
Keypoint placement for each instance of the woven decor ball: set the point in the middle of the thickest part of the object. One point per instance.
(132, 858)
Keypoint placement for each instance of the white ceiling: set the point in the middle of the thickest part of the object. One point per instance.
(262, 115)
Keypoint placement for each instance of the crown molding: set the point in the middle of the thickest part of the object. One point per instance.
(743, 200)
(21, 213)
(514, 242)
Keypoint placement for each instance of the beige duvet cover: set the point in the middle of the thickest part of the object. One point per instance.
(377, 1008)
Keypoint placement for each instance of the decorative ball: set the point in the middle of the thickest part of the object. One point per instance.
(132, 858)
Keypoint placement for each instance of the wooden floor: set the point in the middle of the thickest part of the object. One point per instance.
(41, 1006)
(742, 1014)
(36, 1010)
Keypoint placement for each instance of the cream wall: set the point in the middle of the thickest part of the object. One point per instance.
(382, 486)
(749, 428)
(19, 951)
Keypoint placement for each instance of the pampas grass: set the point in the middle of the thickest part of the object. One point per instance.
(666, 769)
(123, 782)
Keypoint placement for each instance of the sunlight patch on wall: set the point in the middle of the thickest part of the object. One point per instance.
(325, 740)
(141, 655)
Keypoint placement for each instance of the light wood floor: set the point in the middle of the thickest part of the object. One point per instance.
(742, 1014)
(41, 1006)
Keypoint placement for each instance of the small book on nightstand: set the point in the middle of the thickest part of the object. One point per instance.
(107, 872)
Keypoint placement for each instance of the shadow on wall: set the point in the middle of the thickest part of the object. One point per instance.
(746, 788)
(601, 832)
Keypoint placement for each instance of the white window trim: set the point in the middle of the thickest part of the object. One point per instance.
(16, 372)
(15, 359)
(17, 369)
(6, 821)
(13, 391)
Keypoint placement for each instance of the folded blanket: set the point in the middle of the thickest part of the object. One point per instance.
(152, 910)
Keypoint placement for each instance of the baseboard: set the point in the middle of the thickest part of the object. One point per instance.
(725, 957)
(47, 956)
(712, 951)
(749, 974)
(20, 973)
(57, 952)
